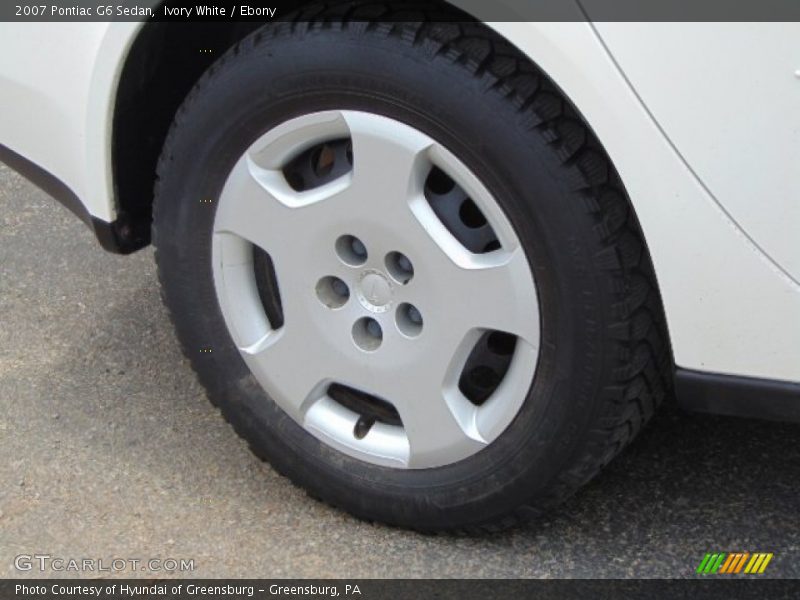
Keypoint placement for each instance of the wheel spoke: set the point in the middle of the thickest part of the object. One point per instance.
(260, 207)
(438, 421)
(494, 293)
(389, 163)
(289, 368)
(249, 204)
(276, 147)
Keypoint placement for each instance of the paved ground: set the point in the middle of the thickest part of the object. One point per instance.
(109, 448)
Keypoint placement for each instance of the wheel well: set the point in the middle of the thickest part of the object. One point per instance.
(164, 63)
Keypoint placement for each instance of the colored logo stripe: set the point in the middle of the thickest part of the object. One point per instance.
(724, 563)
(703, 563)
(710, 563)
(758, 563)
(741, 562)
(729, 562)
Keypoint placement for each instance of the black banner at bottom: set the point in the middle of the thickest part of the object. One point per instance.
(367, 589)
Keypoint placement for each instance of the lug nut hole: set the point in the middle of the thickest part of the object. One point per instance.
(439, 183)
(399, 267)
(471, 215)
(367, 334)
(484, 378)
(333, 292)
(501, 344)
(351, 250)
(409, 320)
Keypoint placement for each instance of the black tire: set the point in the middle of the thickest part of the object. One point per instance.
(604, 363)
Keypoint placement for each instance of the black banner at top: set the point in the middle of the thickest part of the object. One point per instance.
(446, 10)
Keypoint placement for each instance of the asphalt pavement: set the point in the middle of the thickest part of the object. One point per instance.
(110, 449)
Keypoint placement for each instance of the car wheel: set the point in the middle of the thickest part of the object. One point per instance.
(407, 273)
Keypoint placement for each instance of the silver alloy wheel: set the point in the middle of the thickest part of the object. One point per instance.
(377, 293)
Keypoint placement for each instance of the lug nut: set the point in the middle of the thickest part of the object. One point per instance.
(404, 263)
(367, 334)
(358, 248)
(414, 315)
(332, 292)
(351, 250)
(409, 320)
(400, 267)
(340, 287)
(374, 329)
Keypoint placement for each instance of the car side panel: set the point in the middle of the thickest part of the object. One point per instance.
(728, 96)
(58, 84)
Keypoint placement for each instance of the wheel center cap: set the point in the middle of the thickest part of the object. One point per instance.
(375, 292)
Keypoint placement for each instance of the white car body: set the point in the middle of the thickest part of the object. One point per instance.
(700, 120)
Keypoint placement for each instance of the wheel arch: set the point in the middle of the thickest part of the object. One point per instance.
(160, 65)
(165, 60)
